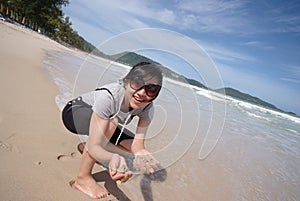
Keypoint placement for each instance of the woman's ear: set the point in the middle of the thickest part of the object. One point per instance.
(126, 81)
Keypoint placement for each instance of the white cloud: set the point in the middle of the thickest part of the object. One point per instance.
(214, 15)
(258, 44)
(118, 11)
(98, 21)
(210, 16)
(292, 74)
(91, 33)
(167, 16)
(296, 81)
(223, 54)
(286, 18)
(211, 6)
(293, 69)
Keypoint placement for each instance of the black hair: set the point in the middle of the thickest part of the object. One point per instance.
(144, 69)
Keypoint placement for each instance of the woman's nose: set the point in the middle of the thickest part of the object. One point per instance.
(142, 92)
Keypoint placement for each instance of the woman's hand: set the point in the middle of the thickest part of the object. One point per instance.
(144, 162)
(118, 169)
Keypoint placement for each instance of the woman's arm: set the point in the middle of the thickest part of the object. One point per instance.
(138, 141)
(144, 161)
(97, 139)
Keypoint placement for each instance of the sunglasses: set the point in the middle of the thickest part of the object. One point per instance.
(151, 90)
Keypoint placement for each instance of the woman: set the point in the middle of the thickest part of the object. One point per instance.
(102, 115)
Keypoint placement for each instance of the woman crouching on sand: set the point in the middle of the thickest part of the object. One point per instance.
(102, 115)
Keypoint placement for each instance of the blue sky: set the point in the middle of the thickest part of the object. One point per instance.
(255, 45)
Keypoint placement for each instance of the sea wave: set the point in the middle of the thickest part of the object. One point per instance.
(267, 111)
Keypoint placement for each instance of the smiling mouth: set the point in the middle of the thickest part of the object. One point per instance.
(140, 100)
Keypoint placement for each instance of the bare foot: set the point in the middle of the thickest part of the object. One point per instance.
(90, 187)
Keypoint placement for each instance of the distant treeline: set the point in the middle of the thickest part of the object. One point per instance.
(46, 17)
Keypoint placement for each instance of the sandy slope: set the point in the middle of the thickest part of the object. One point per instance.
(32, 136)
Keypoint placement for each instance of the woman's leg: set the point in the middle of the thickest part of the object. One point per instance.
(85, 182)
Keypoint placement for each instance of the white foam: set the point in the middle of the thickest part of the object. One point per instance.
(264, 110)
(258, 116)
(211, 95)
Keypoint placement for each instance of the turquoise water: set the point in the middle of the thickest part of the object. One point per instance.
(211, 147)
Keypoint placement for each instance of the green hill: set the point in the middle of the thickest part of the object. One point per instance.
(245, 97)
(250, 99)
(132, 58)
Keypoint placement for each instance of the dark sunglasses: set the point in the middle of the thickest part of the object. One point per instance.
(151, 90)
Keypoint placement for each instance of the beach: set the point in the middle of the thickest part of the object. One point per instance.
(210, 147)
(38, 156)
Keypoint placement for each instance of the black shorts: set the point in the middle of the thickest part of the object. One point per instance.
(76, 117)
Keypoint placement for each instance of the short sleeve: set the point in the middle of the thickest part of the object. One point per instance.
(104, 104)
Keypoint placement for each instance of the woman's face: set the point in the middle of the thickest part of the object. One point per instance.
(141, 92)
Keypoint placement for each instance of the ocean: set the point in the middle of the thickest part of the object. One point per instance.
(211, 147)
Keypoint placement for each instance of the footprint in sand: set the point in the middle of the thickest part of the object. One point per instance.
(71, 156)
(5, 146)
